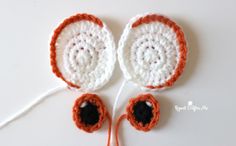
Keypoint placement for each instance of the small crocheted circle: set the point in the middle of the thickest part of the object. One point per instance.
(83, 52)
(89, 112)
(143, 112)
(152, 51)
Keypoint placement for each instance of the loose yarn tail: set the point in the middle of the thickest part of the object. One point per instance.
(117, 98)
(124, 116)
(109, 129)
(30, 106)
(116, 102)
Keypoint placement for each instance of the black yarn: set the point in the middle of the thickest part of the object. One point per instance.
(142, 112)
(89, 114)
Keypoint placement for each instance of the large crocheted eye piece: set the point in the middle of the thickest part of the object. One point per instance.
(143, 112)
(89, 112)
(152, 51)
(83, 52)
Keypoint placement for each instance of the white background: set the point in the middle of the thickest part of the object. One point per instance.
(209, 78)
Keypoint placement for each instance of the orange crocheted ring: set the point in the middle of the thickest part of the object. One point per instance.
(143, 112)
(89, 112)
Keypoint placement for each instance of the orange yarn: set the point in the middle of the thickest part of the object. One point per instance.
(130, 117)
(124, 116)
(94, 99)
(181, 41)
(57, 31)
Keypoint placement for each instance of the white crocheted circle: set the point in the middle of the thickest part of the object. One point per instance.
(86, 54)
(149, 53)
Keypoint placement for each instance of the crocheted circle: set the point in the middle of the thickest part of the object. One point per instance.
(89, 112)
(143, 112)
(83, 52)
(152, 51)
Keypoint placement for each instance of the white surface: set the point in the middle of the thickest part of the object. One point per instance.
(209, 78)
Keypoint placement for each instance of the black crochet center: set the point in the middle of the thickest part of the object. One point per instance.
(89, 114)
(142, 112)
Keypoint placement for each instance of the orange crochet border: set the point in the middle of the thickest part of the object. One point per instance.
(57, 31)
(94, 99)
(155, 112)
(181, 40)
(130, 117)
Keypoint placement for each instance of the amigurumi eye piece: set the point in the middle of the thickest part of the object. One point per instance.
(152, 51)
(89, 112)
(143, 112)
(82, 52)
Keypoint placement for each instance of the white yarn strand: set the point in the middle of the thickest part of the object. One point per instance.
(30, 106)
(117, 99)
(115, 105)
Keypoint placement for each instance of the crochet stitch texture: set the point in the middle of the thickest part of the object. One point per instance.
(152, 51)
(83, 52)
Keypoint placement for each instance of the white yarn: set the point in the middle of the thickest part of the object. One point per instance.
(114, 109)
(30, 106)
(149, 53)
(117, 99)
(86, 54)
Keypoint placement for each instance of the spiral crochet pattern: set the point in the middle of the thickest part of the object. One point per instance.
(152, 51)
(83, 52)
